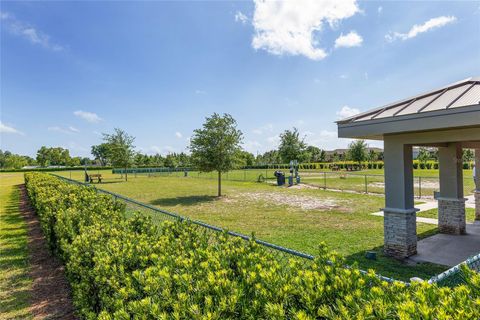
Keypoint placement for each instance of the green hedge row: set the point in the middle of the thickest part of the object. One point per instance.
(128, 268)
(347, 164)
(54, 169)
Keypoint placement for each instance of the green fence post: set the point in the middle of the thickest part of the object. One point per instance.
(419, 187)
(266, 174)
(244, 174)
(324, 181)
(366, 184)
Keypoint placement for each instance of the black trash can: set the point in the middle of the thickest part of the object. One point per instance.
(280, 177)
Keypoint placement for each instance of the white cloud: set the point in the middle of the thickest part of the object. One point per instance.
(178, 135)
(347, 112)
(365, 75)
(380, 10)
(273, 140)
(198, 91)
(343, 76)
(351, 39)
(9, 129)
(252, 146)
(299, 123)
(88, 116)
(68, 130)
(263, 129)
(240, 17)
(26, 31)
(431, 24)
(292, 27)
(72, 145)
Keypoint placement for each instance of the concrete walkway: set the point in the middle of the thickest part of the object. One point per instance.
(449, 250)
(470, 203)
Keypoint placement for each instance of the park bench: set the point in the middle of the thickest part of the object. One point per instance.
(97, 176)
(335, 168)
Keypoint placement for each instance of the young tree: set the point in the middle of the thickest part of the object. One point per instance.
(468, 155)
(423, 157)
(120, 149)
(372, 155)
(216, 146)
(315, 154)
(292, 147)
(357, 151)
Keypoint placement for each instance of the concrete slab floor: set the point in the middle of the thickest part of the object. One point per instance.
(449, 250)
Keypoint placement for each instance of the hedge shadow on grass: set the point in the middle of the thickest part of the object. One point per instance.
(185, 201)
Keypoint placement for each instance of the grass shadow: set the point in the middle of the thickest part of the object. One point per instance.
(185, 201)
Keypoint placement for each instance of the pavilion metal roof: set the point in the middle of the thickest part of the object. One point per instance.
(457, 95)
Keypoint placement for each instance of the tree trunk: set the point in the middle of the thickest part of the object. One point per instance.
(219, 183)
(126, 179)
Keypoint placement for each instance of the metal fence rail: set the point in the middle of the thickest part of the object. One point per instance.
(158, 215)
(424, 187)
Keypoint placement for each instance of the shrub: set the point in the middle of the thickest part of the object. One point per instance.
(128, 268)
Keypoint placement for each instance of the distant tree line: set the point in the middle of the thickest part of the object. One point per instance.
(117, 150)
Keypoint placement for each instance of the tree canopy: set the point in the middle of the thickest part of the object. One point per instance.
(55, 156)
(357, 151)
(100, 152)
(121, 151)
(216, 146)
(292, 147)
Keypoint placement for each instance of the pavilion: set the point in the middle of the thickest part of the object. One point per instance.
(447, 118)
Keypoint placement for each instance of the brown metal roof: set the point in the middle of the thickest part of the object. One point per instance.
(460, 94)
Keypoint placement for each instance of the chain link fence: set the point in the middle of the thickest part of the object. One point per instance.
(424, 187)
(451, 277)
(158, 216)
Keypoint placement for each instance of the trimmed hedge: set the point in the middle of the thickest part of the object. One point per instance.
(55, 169)
(128, 268)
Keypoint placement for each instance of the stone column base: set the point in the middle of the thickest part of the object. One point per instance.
(451, 216)
(400, 232)
(477, 205)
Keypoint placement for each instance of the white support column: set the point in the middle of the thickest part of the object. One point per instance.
(477, 189)
(400, 228)
(451, 203)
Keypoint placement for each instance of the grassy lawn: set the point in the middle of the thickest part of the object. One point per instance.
(295, 218)
(425, 181)
(433, 213)
(15, 283)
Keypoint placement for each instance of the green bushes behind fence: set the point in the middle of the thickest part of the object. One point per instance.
(127, 268)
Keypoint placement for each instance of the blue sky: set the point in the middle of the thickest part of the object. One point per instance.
(72, 70)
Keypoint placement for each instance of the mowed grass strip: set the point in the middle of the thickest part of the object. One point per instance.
(433, 213)
(297, 218)
(15, 283)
